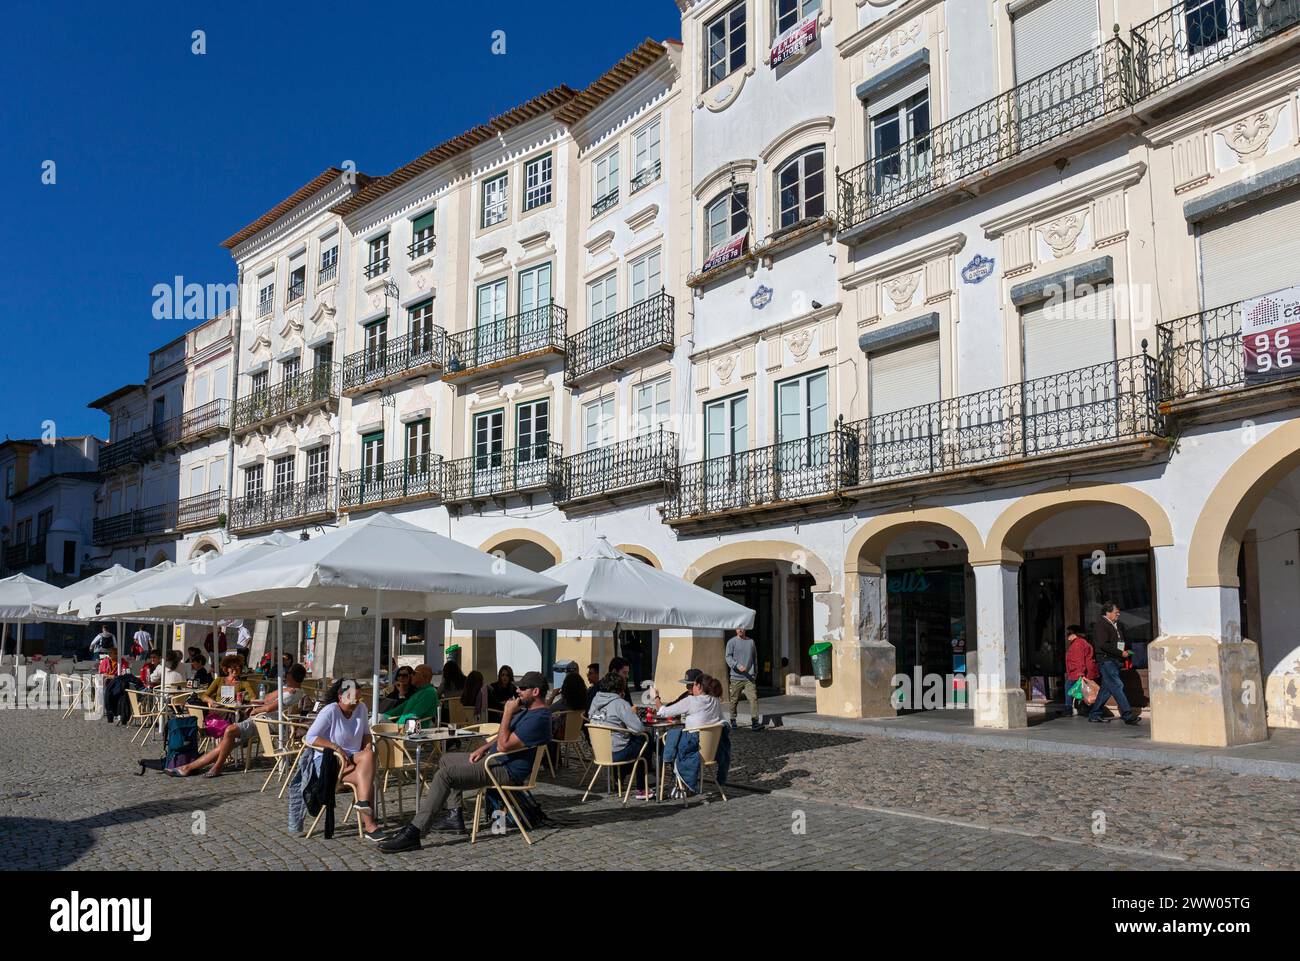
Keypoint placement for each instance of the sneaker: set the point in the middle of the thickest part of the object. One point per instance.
(1134, 720)
(733, 723)
(378, 834)
(1098, 720)
(453, 822)
(645, 795)
(407, 838)
(756, 726)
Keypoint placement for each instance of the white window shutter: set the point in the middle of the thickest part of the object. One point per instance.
(1066, 334)
(904, 377)
(1233, 265)
(1050, 33)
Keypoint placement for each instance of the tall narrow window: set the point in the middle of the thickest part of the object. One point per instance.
(727, 425)
(372, 457)
(283, 482)
(495, 200)
(378, 262)
(290, 368)
(604, 188)
(376, 342)
(489, 439)
(725, 41)
(537, 182)
(598, 424)
(646, 279)
(266, 298)
(318, 469)
(602, 298)
(329, 261)
(645, 156)
(418, 447)
(297, 284)
(257, 383)
(421, 235)
(900, 145)
(323, 356)
(253, 482)
(727, 216)
(532, 431)
(653, 406)
(420, 321)
(801, 187)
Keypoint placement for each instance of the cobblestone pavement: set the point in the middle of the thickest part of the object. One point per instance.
(69, 797)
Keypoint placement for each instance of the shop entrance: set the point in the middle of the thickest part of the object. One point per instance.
(637, 647)
(927, 619)
(1042, 621)
(755, 592)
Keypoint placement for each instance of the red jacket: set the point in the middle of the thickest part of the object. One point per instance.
(1080, 661)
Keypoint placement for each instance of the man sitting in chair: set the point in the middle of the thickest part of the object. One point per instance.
(423, 701)
(525, 723)
(243, 732)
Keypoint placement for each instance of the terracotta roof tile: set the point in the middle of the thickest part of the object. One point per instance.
(319, 182)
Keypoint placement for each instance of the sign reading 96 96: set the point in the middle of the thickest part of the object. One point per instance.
(1270, 336)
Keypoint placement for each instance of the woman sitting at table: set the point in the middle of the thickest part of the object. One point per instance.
(199, 672)
(572, 694)
(475, 694)
(232, 665)
(402, 688)
(609, 708)
(500, 691)
(453, 681)
(116, 671)
(343, 725)
(169, 676)
(701, 708)
(242, 732)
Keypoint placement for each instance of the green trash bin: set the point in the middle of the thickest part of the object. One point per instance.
(452, 653)
(821, 660)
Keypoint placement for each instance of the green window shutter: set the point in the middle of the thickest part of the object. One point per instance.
(423, 222)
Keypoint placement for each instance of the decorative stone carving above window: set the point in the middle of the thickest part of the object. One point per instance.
(723, 94)
(894, 43)
(724, 367)
(1062, 234)
(292, 321)
(902, 290)
(1248, 137)
(800, 342)
(640, 219)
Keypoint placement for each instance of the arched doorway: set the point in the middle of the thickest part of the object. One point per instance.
(522, 651)
(639, 648)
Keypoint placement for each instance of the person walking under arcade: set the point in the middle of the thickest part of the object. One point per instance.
(1108, 643)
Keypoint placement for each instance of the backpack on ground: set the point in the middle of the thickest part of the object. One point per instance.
(182, 745)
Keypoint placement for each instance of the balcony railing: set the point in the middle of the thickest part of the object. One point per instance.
(420, 247)
(646, 461)
(287, 397)
(604, 203)
(18, 556)
(1031, 114)
(521, 469)
(298, 502)
(296, 292)
(497, 341)
(204, 419)
(376, 267)
(420, 348)
(795, 470)
(134, 525)
(1090, 406)
(194, 423)
(326, 274)
(641, 327)
(200, 510)
(264, 307)
(1198, 34)
(646, 177)
(418, 477)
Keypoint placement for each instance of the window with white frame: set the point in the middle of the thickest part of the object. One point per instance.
(198, 478)
(283, 477)
(900, 147)
(378, 262)
(266, 298)
(329, 261)
(537, 182)
(418, 446)
(726, 216)
(598, 424)
(801, 187)
(724, 41)
(602, 298)
(422, 239)
(645, 156)
(532, 431)
(726, 424)
(318, 469)
(646, 278)
(787, 13)
(653, 406)
(258, 382)
(495, 200)
(217, 475)
(604, 187)
(297, 283)
(420, 321)
(253, 482)
(290, 368)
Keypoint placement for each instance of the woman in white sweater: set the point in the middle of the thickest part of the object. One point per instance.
(702, 708)
(698, 709)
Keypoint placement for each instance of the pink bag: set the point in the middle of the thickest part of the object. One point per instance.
(215, 726)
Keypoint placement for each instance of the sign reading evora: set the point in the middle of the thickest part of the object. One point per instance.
(1270, 330)
(794, 42)
(77, 915)
(727, 251)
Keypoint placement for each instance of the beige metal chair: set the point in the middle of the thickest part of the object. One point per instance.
(505, 790)
(710, 738)
(144, 718)
(72, 689)
(571, 741)
(342, 784)
(266, 732)
(460, 714)
(602, 749)
(395, 762)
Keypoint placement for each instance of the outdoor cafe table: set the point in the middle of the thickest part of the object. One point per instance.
(160, 693)
(659, 730)
(437, 735)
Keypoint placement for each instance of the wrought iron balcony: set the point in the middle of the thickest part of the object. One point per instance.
(195, 423)
(297, 503)
(264, 307)
(326, 274)
(639, 463)
(295, 293)
(134, 525)
(19, 556)
(1078, 409)
(606, 343)
(306, 389)
(418, 351)
(411, 478)
(604, 203)
(495, 343)
(646, 177)
(815, 468)
(1029, 115)
(520, 470)
(376, 267)
(1191, 37)
(210, 418)
(200, 510)
(420, 247)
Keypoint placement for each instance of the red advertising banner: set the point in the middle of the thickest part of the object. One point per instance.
(729, 251)
(1270, 334)
(794, 41)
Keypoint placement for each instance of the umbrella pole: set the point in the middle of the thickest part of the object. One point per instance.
(279, 673)
(18, 650)
(374, 679)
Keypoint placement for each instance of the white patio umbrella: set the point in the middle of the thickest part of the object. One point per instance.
(20, 596)
(392, 567)
(605, 589)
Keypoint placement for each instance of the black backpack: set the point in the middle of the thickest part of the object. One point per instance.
(182, 745)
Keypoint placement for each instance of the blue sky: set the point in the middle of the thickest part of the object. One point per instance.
(161, 154)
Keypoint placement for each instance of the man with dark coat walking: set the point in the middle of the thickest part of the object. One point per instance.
(1108, 643)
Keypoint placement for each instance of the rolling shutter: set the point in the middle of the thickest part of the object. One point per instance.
(1061, 335)
(1048, 34)
(904, 377)
(1233, 265)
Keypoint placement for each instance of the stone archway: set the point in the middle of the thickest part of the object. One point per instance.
(1006, 539)
(731, 555)
(641, 553)
(521, 650)
(504, 540)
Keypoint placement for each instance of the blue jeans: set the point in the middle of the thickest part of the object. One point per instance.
(632, 749)
(1111, 686)
(682, 750)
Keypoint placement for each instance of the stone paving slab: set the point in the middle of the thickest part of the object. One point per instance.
(69, 798)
